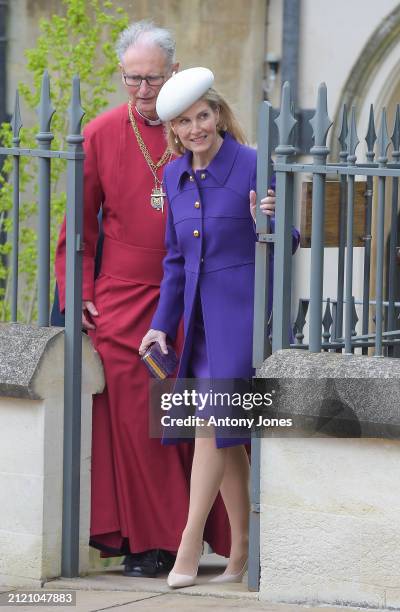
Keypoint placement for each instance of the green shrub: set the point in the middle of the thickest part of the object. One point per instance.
(81, 41)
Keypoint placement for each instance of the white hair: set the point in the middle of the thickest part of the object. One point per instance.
(148, 32)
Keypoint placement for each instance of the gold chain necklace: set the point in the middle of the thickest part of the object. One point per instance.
(157, 194)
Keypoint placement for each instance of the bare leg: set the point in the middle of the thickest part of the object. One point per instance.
(207, 472)
(235, 493)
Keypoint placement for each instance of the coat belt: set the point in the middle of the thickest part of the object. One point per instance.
(132, 263)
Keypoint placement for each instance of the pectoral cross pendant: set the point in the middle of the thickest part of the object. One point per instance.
(157, 198)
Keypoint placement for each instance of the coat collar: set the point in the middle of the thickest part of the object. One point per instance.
(219, 167)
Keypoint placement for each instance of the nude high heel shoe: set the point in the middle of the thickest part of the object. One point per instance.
(230, 577)
(177, 581)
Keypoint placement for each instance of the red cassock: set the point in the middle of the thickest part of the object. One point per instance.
(140, 488)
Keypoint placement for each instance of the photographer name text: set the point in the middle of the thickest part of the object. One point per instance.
(196, 421)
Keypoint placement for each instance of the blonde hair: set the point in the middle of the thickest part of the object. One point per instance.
(227, 121)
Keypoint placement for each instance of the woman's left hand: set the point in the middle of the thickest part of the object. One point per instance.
(267, 205)
(154, 335)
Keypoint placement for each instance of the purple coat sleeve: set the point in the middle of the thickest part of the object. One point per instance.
(295, 232)
(295, 235)
(170, 306)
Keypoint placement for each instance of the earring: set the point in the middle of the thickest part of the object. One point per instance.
(176, 140)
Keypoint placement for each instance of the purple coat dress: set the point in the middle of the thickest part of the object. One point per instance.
(209, 266)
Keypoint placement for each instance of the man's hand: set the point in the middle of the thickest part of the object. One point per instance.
(267, 205)
(154, 335)
(88, 310)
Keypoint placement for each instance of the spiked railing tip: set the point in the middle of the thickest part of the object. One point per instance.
(383, 138)
(396, 132)
(75, 109)
(344, 130)
(352, 137)
(321, 121)
(285, 121)
(301, 320)
(327, 321)
(354, 317)
(16, 122)
(371, 134)
(45, 108)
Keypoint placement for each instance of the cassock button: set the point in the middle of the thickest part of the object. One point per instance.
(197, 204)
(191, 178)
(196, 233)
(203, 175)
(202, 260)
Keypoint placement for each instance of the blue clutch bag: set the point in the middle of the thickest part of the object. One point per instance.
(160, 365)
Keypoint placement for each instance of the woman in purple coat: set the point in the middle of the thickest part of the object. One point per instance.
(209, 278)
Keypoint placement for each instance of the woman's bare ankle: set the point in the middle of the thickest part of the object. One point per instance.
(188, 555)
(238, 555)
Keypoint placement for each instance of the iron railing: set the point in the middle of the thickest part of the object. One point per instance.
(332, 326)
(74, 157)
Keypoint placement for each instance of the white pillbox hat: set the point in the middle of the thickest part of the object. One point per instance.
(182, 90)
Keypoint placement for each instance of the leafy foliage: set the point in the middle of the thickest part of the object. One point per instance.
(81, 41)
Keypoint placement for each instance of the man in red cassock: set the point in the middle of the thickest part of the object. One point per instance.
(140, 488)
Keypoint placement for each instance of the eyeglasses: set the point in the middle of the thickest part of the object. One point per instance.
(135, 80)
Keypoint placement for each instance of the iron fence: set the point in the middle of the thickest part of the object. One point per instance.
(74, 157)
(332, 321)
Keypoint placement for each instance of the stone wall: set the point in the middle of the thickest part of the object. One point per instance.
(330, 505)
(31, 452)
(225, 36)
(330, 522)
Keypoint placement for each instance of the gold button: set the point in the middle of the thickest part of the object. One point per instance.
(196, 233)
(197, 204)
(191, 178)
(203, 176)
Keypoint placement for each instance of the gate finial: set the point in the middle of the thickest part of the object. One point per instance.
(320, 122)
(16, 122)
(396, 134)
(352, 138)
(75, 109)
(370, 138)
(383, 139)
(344, 130)
(285, 122)
(327, 321)
(301, 320)
(45, 109)
(354, 317)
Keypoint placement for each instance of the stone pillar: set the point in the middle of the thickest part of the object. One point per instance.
(330, 504)
(31, 451)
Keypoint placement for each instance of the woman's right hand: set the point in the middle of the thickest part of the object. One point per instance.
(154, 335)
(267, 204)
